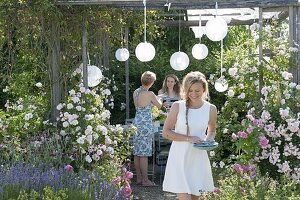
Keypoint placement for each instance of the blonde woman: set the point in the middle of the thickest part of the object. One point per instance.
(188, 171)
(142, 140)
(170, 91)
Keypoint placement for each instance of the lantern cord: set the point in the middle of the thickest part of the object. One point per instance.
(221, 57)
(122, 37)
(200, 27)
(144, 1)
(216, 9)
(179, 33)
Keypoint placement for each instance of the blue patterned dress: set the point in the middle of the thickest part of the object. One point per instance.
(142, 140)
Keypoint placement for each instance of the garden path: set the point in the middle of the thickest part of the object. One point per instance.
(151, 193)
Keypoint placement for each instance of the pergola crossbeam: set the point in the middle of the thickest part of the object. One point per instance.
(181, 4)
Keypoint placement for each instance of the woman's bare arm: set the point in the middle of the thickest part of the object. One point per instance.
(212, 124)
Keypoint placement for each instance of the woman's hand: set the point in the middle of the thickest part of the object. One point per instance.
(194, 139)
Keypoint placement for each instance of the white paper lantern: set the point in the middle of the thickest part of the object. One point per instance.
(179, 61)
(198, 31)
(145, 51)
(94, 75)
(200, 51)
(221, 85)
(122, 54)
(216, 29)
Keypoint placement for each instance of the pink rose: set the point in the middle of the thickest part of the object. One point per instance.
(263, 142)
(234, 137)
(249, 129)
(242, 134)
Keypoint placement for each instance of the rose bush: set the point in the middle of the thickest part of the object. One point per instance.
(260, 119)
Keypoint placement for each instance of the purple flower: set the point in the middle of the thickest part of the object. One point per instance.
(263, 142)
(246, 168)
(253, 175)
(238, 168)
(242, 190)
(242, 134)
(255, 122)
(249, 129)
(69, 168)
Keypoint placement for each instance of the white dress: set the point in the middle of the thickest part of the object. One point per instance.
(188, 169)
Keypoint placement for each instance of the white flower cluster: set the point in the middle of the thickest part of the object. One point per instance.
(84, 120)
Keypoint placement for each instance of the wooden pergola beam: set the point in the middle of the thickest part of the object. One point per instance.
(181, 4)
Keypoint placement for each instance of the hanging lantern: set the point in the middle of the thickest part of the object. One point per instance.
(221, 85)
(145, 51)
(216, 29)
(122, 54)
(179, 61)
(199, 51)
(94, 75)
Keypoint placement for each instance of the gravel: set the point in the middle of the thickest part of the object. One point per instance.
(151, 193)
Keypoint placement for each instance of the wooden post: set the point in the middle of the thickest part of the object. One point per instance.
(84, 53)
(127, 76)
(297, 70)
(260, 50)
(294, 38)
(55, 70)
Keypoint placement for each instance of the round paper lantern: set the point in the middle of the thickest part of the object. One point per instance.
(179, 61)
(145, 51)
(216, 29)
(200, 51)
(94, 75)
(221, 84)
(122, 54)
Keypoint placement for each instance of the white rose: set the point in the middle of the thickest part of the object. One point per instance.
(59, 106)
(88, 159)
(39, 85)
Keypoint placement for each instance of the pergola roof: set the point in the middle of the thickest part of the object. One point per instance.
(182, 4)
(235, 12)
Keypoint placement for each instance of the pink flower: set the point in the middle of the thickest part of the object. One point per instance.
(117, 180)
(128, 175)
(242, 134)
(242, 190)
(234, 137)
(255, 122)
(249, 129)
(246, 168)
(217, 190)
(126, 190)
(238, 168)
(69, 168)
(263, 142)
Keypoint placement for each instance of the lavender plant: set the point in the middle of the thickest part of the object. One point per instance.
(31, 177)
